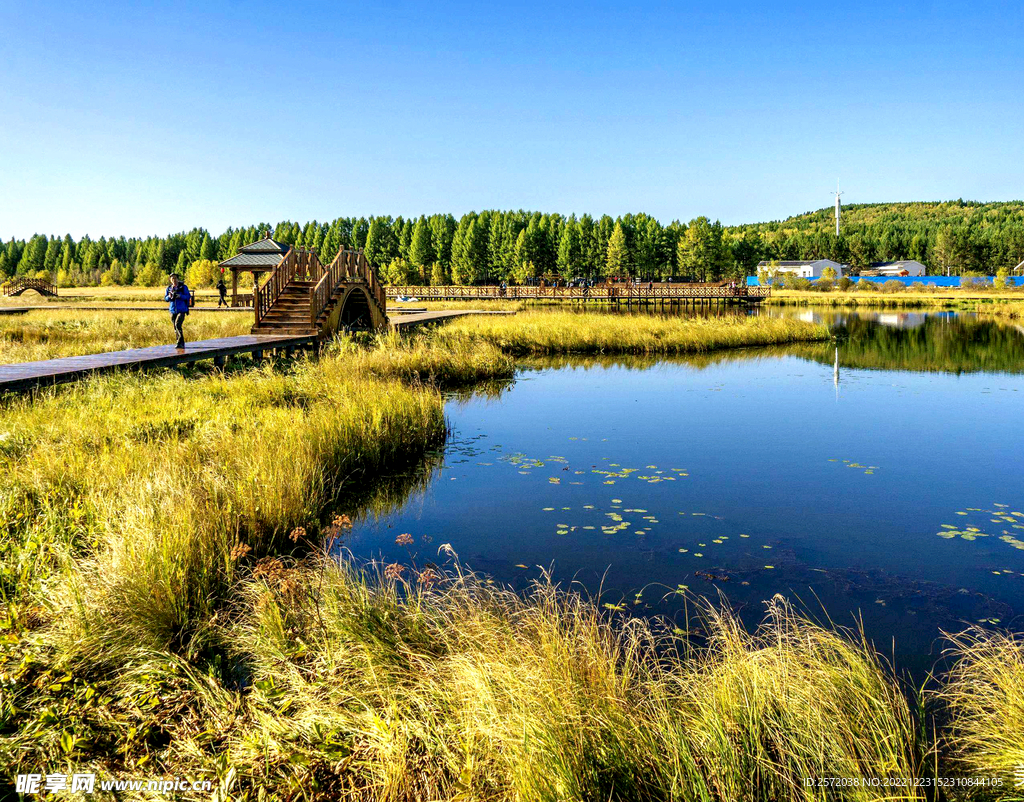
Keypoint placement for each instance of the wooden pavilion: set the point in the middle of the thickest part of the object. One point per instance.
(257, 258)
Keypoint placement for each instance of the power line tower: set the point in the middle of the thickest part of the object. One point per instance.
(838, 194)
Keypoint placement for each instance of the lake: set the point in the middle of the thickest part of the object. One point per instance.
(886, 490)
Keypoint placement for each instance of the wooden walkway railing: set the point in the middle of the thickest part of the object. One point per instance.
(347, 266)
(18, 285)
(604, 292)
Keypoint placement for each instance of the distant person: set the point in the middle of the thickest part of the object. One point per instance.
(179, 298)
(222, 290)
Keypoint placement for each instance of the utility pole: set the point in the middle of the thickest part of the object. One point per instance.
(838, 194)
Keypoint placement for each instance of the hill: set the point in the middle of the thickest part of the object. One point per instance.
(955, 236)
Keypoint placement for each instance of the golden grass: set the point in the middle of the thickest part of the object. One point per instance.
(560, 331)
(99, 296)
(912, 297)
(447, 687)
(984, 695)
(151, 625)
(50, 334)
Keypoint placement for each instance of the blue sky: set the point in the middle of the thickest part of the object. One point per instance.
(147, 118)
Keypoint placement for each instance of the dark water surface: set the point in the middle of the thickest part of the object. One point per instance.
(889, 489)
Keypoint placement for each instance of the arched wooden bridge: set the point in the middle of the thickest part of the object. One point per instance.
(18, 285)
(301, 296)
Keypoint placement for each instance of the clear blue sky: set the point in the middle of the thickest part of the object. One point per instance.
(147, 118)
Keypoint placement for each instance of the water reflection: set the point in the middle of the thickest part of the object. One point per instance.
(944, 342)
(874, 476)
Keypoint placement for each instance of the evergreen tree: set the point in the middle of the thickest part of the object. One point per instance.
(702, 253)
(381, 245)
(421, 249)
(570, 254)
(617, 255)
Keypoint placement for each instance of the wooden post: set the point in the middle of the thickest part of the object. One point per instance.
(234, 286)
(220, 361)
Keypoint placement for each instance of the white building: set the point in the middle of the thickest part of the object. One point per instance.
(907, 267)
(810, 268)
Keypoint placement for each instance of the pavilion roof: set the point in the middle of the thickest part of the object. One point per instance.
(263, 254)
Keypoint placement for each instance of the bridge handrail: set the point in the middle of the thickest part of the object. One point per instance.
(296, 263)
(347, 265)
(22, 283)
(336, 272)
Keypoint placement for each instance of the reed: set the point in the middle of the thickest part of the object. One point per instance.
(984, 696)
(378, 684)
(54, 333)
(534, 332)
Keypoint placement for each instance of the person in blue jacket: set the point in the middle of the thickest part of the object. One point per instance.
(179, 298)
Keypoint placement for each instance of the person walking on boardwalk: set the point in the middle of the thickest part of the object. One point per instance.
(178, 296)
(222, 290)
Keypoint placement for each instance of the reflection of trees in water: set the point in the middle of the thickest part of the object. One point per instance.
(648, 361)
(383, 494)
(943, 344)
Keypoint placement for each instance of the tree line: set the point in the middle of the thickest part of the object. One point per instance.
(520, 246)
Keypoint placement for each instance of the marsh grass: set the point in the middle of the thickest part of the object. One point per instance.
(167, 607)
(560, 331)
(49, 334)
(984, 697)
(127, 494)
(445, 686)
(984, 298)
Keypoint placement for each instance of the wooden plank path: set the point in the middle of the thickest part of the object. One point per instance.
(14, 310)
(26, 375)
(646, 293)
(418, 318)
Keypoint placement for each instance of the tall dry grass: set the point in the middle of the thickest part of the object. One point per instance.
(984, 696)
(54, 333)
(582, 332)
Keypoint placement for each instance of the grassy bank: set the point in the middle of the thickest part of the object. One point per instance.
(409, 684)
(1012, 310)
(560, 331)
(908, 298)
(49, 334)
(165, 609)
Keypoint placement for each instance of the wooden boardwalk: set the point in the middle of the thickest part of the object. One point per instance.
(26, 375)
(418, 318)
(17, 310)
(658, 293)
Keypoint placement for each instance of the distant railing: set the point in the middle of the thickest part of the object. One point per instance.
(18, 285)
(609, 292)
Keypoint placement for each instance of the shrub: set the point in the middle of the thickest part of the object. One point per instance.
(892, 285)
(973, 282)
(150, 276)
(845, 283)
(438, 276)
(824, 285)
(864, 285)
(202, 273)
(400, 272)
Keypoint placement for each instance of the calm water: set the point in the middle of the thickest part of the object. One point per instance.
(751, 473)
